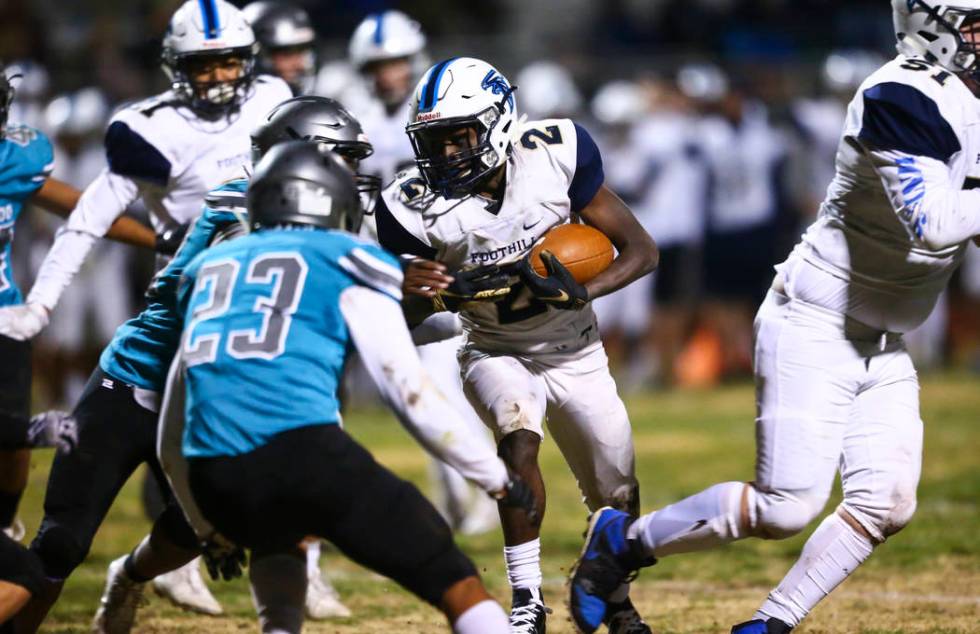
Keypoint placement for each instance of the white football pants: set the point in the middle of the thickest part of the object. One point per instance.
(577, 394)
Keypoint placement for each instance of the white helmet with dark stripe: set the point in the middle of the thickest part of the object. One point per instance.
(946, 33)
(455, 94)
(383, 36)
(208, 29)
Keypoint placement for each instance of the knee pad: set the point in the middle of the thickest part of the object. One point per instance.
(59, 550)
(782, 514)
(891, 514)
(175, 526)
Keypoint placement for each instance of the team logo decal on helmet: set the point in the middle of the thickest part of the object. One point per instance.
(462, 119)
(209, 32)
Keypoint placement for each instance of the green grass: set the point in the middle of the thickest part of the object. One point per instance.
(926, 579)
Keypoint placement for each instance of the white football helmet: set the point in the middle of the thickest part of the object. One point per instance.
(620, 103)
(208, 28)
(457, 94)
(931, 30)
(385, 35)
(548, 91)
(845, 70)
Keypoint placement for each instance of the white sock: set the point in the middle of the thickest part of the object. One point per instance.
(524, 564)
(486, 617)
(313, 558)
(832, 553)
(279, 592)
(705, 520)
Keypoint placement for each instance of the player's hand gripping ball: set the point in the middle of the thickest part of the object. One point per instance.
(557, 269)
(583, 250)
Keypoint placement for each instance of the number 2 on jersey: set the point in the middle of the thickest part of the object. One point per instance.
(284, 272)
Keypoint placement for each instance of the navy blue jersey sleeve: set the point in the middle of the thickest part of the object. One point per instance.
(588, 171)
(899, 117)
(130, 155)
(396, 238)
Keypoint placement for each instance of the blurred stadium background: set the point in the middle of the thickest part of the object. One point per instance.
(718, 120)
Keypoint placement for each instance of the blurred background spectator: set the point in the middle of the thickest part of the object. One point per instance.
(718, 119)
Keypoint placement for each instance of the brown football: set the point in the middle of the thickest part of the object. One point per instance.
(584, 250)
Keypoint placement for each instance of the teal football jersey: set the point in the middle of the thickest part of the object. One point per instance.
(26, 161)
(265, 341)
(143, 348)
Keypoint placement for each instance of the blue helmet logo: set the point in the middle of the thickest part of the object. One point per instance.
(496, 84)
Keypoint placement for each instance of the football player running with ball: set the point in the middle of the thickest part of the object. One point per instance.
(487, 187)
(270, 319)
(836, 389)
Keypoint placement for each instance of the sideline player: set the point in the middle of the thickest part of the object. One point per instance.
(268, 322)
(487, 188)
(287, 43)
(836, 389)
(170, 150)
(26, 161)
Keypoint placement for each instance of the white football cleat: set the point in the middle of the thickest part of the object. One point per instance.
(16, 531)
(186, 589)
(119, 602)
(322, 599)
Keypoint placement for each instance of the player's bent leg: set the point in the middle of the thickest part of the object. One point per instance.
(115, 434)
(882, 458)
(880, 466)
(279, 584)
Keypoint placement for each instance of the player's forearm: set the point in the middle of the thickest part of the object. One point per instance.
(638, 253)
(131, 231)
(633, 262)
(935, 213)
(62, 262)
(390, 358)
(98, 208)
(170, 452)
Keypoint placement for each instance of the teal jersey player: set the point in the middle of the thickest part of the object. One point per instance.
(26, 161)
(142, 349)
(265, 341)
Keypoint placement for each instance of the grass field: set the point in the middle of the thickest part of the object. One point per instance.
(926, 579)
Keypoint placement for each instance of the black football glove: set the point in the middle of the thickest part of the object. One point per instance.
(224, 559)
(480, 284)
(559, 288)
(53, 429)
(170, 239)
(518, 494)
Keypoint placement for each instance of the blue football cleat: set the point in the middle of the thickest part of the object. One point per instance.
(607, 561)
(757, 626)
